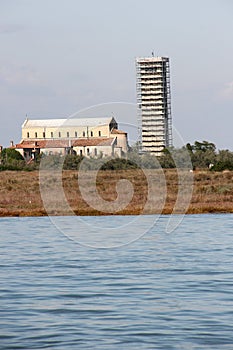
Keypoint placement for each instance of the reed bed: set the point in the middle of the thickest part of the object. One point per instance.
(212, 192)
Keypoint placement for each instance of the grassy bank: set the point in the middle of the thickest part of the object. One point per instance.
(212, 192)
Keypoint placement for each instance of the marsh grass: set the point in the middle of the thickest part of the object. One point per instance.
(20, 192)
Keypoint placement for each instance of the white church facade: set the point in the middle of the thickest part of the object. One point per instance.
(90, 137)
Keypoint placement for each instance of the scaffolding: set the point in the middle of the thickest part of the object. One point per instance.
(154, 103)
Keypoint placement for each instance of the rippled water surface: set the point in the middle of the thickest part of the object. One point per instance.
(163, 291)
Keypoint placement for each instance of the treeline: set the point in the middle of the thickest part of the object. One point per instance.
(204, 155)
(11, 159)
(200, 155)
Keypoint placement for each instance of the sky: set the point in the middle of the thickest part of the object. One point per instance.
(62, 56)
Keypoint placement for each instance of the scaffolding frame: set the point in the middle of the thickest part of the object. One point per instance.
(154, 103)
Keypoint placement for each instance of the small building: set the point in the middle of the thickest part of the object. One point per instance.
(90, 137)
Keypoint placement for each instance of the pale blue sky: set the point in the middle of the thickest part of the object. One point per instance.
(58, 56)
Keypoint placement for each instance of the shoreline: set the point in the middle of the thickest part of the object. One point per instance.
(85, 215)
(20, 193)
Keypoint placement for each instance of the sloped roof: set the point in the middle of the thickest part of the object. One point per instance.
(29, 123)
(81, 142)
(116, 131)
(93, 142)
(43, 144)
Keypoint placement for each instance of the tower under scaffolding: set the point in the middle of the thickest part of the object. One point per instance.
(154, 103)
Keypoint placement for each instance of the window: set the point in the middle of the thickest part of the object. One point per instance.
(44, 134)
(68, 134)
(88, 151)
(95, 151)
(59, 134)
(28, 135)
(75, 134)
(99, 133)
(81, 152)
(83, 133)
(35, 134)
(91, 133)
(51, 134)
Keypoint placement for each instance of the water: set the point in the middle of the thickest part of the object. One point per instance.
(164, 291)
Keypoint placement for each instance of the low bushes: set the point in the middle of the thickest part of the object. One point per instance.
(201, 155)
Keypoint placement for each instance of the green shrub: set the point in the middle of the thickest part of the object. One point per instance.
(8, 154)
(72, 162)
(119, 164)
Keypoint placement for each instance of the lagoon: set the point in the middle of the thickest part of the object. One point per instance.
(151, 289)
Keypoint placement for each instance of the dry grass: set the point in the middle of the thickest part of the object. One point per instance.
(212, 192)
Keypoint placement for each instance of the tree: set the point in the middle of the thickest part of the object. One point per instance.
(202, 154)
(224, 161)
(10, 159)
(8, 154)
(204, 146)
(166, 160)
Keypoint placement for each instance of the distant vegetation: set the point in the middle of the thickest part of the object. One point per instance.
(200, 155)
(204, 155)
(11, 159)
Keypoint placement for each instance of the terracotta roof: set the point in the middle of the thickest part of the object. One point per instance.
(81, 142)
(43, 144)
(116, 131)
(93, 142)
